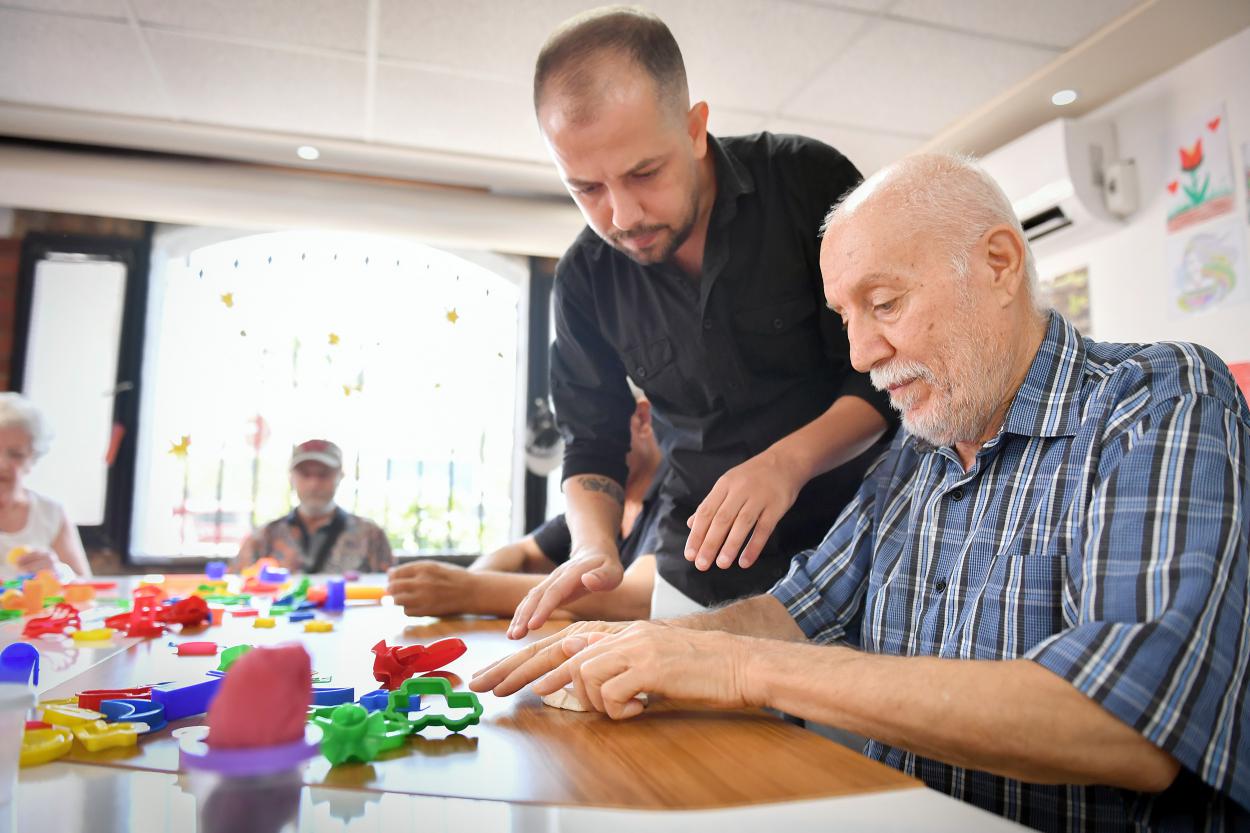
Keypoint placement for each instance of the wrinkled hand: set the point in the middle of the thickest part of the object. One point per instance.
(608, 670)
(751, 496)
(430, 588)
(596, 571)
(32, 561)
(515, 671)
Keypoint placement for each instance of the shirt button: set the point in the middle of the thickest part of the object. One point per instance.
(778, 323)
(958, 494)
(640, 372)
(707, 323)
(939, 585)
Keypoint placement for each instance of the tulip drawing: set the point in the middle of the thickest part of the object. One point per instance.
(1191, 161)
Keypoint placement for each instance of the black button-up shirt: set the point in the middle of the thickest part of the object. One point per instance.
(732, 362)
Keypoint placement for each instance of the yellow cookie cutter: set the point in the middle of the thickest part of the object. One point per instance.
(69, 716)
(94, 635)
(99, 735)
(39, 746)
(318, 626)
(263, 622)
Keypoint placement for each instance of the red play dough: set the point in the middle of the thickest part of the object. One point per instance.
(263, 700)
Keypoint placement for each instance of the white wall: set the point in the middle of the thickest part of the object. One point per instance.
(1128, 268)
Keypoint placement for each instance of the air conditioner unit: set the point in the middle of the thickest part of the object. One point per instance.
(1066, 182)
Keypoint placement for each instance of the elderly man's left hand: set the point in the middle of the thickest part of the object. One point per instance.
(749, 499)
(608, 670)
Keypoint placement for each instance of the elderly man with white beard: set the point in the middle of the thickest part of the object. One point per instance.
(1037, 602)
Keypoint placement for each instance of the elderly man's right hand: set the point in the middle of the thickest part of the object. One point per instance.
(515, 671)
(589, 569)
(34, 560)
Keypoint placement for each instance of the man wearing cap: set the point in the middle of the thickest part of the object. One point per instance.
(318, 536)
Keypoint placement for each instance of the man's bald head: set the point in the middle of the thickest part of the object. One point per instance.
(581, 61)
(947, 196)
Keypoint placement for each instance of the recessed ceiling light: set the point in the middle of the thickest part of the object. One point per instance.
(1063, 98)
(307, 152)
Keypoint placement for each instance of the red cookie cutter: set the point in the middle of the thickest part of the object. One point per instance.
(187, 612)
(394, 664)
(60, 619)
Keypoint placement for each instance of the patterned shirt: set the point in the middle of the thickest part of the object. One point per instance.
(353, 543)
(1102, 533)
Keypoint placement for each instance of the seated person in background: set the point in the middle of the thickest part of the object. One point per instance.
(495, 583)
(35, 532)
(1037, 601)
(318, 536)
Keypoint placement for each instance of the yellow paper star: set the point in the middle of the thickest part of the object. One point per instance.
(179, 449)
(228, 299)
(452, 315)
(347, 390)
(334, 338)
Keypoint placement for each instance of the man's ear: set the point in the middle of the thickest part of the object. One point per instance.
(1005, 256)
(696, 128)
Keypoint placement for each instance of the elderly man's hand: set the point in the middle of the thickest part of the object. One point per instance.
(751, 496)
(431, 588)
(32, 561)
(515, 671)
(591, 570)
(608, 670)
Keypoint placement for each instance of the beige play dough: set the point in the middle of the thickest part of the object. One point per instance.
(566, 699)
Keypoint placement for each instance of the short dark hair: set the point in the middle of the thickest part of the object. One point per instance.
(572, 50)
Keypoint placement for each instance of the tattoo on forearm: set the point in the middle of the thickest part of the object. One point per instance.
(604, 485)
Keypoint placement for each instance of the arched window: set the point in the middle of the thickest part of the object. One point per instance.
(403, 355)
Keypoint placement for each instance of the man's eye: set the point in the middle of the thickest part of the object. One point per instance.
(644, 174)
(885, 306)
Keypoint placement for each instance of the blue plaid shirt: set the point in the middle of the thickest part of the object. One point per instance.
(1103, 534)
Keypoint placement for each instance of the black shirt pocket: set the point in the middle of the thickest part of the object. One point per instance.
(649, 365)
(781, 339)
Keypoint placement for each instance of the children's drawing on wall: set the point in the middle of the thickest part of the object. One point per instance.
(1069, 295)
(1206, 246)
(1208, 267)
(1245, 169)
(1200, 180)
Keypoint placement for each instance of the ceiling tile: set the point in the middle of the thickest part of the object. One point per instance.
(74, 63)
(257, 88)
(1060, 23)
(95, 8)
(870, 151)
(912, 79)
(726, 122)
(331, 24)
(759, 56)
(425, 109)
(451, 33)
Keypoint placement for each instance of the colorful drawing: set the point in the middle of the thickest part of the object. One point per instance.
(1068, 294)
(1208, 266)
(1200, 179)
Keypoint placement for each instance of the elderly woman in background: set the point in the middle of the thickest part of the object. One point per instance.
(35, 532)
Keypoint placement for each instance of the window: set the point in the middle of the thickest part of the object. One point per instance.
(403, 355)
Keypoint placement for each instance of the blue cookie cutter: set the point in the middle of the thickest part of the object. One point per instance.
(134, 711)
(186, 700)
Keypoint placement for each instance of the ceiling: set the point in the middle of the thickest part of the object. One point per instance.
(450, 78)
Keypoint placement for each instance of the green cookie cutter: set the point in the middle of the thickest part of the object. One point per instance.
(350, 733)
(397, 704)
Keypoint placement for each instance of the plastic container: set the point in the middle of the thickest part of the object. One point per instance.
(16, 700)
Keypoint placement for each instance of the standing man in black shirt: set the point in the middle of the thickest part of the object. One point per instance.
(698, 278)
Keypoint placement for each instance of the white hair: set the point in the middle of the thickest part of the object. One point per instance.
(951, 197)
(16, 411)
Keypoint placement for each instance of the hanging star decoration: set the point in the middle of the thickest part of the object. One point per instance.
(228, 300)
(179, 449)
(359, 387)
(334, 338)
(452, 315)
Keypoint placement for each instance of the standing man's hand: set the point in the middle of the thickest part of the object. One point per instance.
(35, 560)
(589, 569)
(749, 499)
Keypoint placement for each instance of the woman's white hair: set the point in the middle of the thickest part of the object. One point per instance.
(16, 411)
(950, 196)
